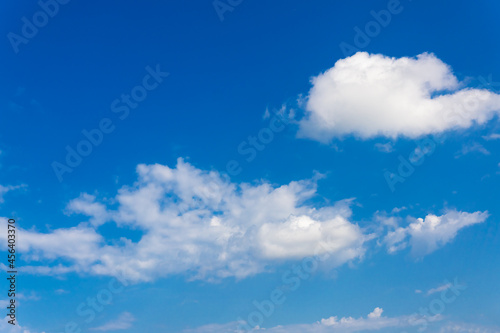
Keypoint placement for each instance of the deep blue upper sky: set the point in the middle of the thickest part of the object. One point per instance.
(223, 75)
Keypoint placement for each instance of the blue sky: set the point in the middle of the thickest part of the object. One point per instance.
(184, 164)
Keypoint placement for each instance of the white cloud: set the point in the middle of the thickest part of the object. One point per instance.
(493, 136)
(385, 147)
(439, 289)
(373, 322)
(369, 95)
(5, 327)
(32, 296)
(123, 322)
(298, 236)
(433, 232)
(5, 189)
(78, 243)
(86, 205)
(398, 209)
(468, 328)
(377, 313)
(61, 291)
(395, 240)
(198, 223)
(472, 147)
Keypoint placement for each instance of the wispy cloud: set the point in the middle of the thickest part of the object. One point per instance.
(385, 147)
(438, 289)
(123, 322)
(61, 291)
(472, 147)
(493, 136)
(427, 235)
(468, 328)
(9, 188)
(32, 296)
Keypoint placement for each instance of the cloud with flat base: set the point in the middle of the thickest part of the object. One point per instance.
(372, 95)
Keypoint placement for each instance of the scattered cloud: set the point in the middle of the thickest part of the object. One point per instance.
(472, 147)
(6, 189)
(86, 205)
(468, 328)
(370, 95)
(396, 240)
(198, 223)
(493, 136)
(123, 322)
(32, 296)
(427, 235)
(398, 209)
(439, 289)
(373, 322)
(385, 147)
(383, 219)
(61, 291)
(5, 327)
(267, 114)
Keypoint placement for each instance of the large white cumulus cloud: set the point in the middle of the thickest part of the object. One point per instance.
(196, 222)
(369, 95)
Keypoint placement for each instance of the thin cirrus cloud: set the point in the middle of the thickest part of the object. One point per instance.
(200, 224)
(439, 289)
(371, 95)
